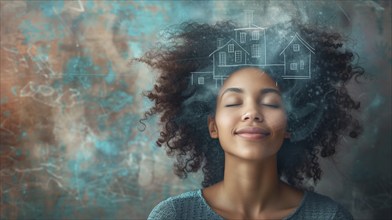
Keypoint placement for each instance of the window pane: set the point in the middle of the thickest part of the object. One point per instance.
(296, 47)
(255, 50)
(293, 66)
(242, 37)
(238, 56)
(231, 48)
(200, 80)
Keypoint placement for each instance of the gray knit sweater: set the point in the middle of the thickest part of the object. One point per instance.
(192, 205)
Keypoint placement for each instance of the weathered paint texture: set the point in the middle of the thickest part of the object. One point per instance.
(71, 102)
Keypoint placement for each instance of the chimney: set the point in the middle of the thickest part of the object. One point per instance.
(220, 42)
(249, 17)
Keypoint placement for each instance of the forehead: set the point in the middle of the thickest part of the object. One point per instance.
(249, 77)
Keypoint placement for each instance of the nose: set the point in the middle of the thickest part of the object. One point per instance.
(253, 115)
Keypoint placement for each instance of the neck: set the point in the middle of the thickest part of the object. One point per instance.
(250, 185)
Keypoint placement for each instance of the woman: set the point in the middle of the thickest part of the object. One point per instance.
(257, 138)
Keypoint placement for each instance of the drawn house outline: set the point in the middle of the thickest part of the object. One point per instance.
(249, 47)
(297, 63)
(232, 53)
(201, 77)
(220, 49)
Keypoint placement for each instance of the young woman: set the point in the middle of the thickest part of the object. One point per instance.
(257, 137)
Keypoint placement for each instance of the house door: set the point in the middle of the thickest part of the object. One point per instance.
(222, 58)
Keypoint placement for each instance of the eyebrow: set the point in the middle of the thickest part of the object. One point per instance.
(262, 92)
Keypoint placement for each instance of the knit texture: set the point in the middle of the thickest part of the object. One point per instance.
(192, 205)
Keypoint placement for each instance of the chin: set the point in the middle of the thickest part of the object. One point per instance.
(254, 155)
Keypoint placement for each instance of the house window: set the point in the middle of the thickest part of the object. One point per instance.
(295, 47)
(222, 58)
(301, 65)
(255, 35)
(238, 56)
(242, 37)
(255, 50)
(200, 80)
(293, 66)
(231, 48)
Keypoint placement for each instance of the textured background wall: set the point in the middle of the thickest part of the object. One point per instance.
(71, 100)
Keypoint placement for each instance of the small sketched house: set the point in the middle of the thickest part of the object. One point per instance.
(297, 59)
(201, 78)
(229, 55)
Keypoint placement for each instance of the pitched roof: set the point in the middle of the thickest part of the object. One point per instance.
(310, 48)
(254, 27)
(225, 46)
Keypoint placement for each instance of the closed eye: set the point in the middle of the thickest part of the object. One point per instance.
(232, 105)
(271, 105)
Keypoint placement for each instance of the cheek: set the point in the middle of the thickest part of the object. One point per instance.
(225, 119)
(276, 120)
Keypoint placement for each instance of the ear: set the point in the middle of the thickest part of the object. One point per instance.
(212, 128)
(287, 135)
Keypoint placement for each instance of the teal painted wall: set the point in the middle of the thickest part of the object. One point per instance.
(71, 101)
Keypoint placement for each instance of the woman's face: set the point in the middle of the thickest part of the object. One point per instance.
(250, 121)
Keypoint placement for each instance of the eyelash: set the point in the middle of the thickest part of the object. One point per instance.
(271, 106)
(268, 105)
(232, 105)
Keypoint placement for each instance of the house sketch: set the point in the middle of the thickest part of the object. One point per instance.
(248, 47)
(297, 59)
(201, 78)
(231, 54)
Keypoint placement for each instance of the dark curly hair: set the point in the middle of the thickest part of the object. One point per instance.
(319, 109)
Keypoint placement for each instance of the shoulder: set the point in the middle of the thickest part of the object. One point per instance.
(164, 210)
(185, 205)
(317, 206)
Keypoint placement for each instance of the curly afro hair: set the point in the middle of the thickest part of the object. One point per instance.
(319, 109)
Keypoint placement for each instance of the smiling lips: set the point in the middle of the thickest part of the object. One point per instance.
(252, 133)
